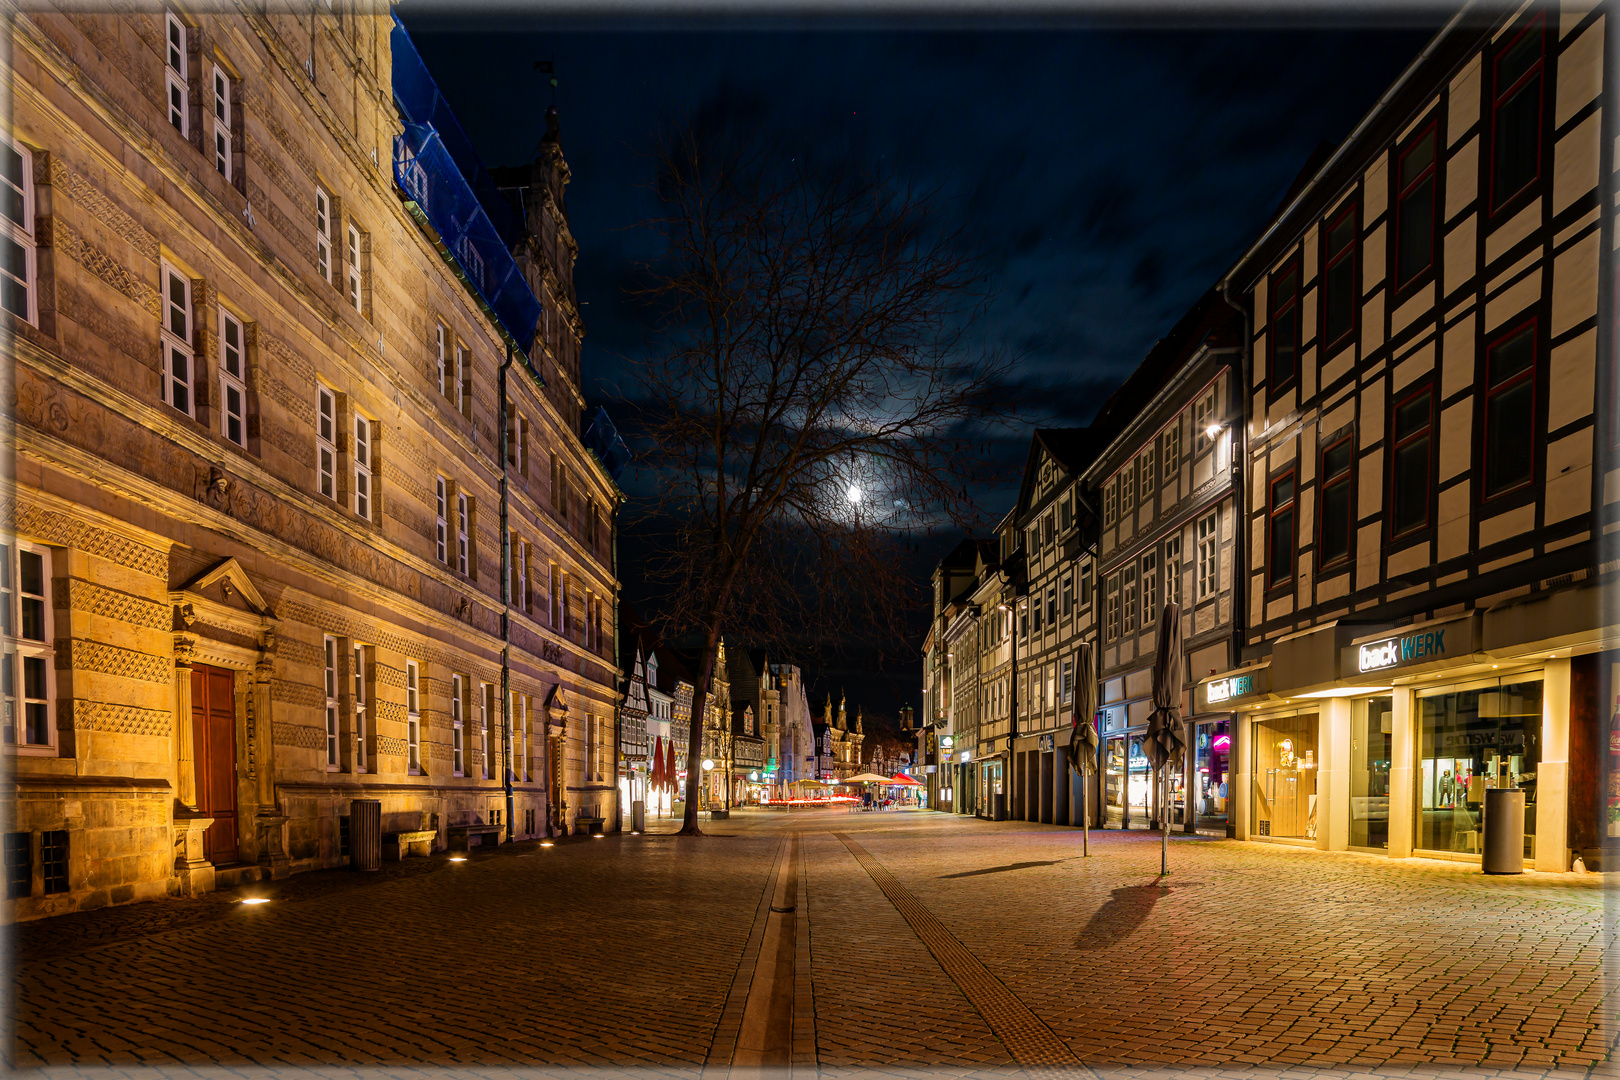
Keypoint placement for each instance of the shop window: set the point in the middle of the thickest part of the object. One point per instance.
(1510, 411)
(1470, 741)
(1339, 278)
(53, 857)
(1280, 522)
(1372, 749)
(1282, 338)
(1333, 537)
(18, 260)
(1411, 462)
(1516, 109)
(1415, 207)
(27, 667)
(1285, 760)
(19, 852)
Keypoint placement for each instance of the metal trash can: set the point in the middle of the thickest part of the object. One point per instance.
(998, 807)
(638, 816)
(1504, 831)
(365, 834)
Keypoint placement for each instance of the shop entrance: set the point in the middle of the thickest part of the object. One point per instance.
(1114, 783)
(1213, 749)
(1468, 742)
(1139, 786)
(1285, 758)
(213, 727)
(1372, 747)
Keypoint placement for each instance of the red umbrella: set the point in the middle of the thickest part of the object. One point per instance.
(902, 778)
(670, 776)
(655, 778)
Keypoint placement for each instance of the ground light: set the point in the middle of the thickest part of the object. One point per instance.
(547, 843)
(254, 900)
(596, 836)
(458, 858)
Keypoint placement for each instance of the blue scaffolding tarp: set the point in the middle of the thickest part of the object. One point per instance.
(436, 167)
(602, 439)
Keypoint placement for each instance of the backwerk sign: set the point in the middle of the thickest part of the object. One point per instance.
(1220, 694)
(1411, 648)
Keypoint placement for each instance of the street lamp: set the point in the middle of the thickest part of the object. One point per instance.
(708, 766)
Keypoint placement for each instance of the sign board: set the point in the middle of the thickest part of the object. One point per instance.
(1046, 741)
(947, 743)
(1414, 647)
(1218, 695)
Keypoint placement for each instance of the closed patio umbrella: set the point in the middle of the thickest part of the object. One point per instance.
(1082, 748)
(1163, 742)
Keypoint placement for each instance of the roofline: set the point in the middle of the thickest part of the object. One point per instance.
(1174, 382)
(1279, 219)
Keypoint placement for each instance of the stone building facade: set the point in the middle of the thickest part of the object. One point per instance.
(255, 515)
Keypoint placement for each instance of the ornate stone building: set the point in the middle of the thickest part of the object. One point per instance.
(281, 503)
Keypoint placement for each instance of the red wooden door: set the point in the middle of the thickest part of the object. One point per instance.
(213, 724)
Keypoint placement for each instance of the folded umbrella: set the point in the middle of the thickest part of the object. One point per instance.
(1164, 744)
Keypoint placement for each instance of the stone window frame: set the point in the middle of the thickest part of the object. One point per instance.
(326, 439)
(176, 76)
(229, 380)
(458, 724)
(441, 518)
(21, 231)
(20, 649)
(177, 340)
(413, 718)
(325, 265)
(329, 651)
(363, 465)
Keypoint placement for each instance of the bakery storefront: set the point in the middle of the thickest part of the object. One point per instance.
(1385, 739)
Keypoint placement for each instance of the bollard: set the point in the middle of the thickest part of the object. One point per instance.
(365, 834)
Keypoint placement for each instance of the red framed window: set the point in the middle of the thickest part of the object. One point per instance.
(1283, 339)
(1516, 110)
(1415, 206)
(1339, 264)
(1509, 430)
(1281, 532)
(1411, 462)
(1337, 520)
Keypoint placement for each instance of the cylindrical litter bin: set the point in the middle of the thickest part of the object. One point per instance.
(998, 809)
(365, 834)
(1504, 831)
(638, 816)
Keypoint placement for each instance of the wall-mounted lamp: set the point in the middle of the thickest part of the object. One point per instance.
(1212, 431)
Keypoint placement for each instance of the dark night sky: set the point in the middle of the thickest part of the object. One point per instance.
(1111, 173)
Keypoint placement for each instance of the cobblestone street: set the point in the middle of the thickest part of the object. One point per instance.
(935, 945)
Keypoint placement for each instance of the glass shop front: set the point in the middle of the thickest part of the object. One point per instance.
(1283, 803)
(1471, 739)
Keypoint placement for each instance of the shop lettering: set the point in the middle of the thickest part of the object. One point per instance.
(1231, 687)
(1403, 650)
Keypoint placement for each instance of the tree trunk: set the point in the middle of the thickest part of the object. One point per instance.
(694, 748)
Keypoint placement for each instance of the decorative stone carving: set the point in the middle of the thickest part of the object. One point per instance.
(191, 865)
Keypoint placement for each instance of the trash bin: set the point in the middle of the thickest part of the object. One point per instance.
(1504, 831)
(638, 816)
(365, 834)
(998, 807)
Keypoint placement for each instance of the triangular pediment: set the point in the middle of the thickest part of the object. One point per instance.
(228, 584)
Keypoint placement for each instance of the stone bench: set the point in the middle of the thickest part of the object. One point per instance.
(461, 835)
(588, 824)
(397, 845)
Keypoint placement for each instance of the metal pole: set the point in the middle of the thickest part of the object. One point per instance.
(1164, 819)
(1085, 817)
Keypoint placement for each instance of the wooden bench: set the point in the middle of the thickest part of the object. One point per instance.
(464, 833)
(397, 845)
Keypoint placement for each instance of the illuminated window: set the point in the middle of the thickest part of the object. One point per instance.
(232, 375)
(178, 357)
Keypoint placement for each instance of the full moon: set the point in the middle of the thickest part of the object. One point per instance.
(854, 494)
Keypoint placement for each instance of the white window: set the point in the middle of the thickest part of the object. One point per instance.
(1110, 503)
(462, 405)
(356, 299)
(1111, 606)
(1068, 681)
(1203, 419)
(222, 122)
(326, 442)
(441, 526)
(359, 662)
(176, 340)
(1172, 450)
(362, 466)
(179, 91)
(28, 676)
(331, 703)
(1206, 558)
(232, 388)
(1172, 570)
(1150, 588)
(461, 533)
(457, 736)
(323, 235)
(413, 717)
(484, 708)
(19, 257)
(444, 362)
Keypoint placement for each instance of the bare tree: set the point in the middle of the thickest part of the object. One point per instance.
(814, 399)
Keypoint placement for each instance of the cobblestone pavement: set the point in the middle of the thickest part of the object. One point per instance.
(621, 954)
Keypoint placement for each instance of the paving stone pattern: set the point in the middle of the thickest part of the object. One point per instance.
(622, 956)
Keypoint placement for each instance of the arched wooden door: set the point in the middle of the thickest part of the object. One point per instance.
(213, 725)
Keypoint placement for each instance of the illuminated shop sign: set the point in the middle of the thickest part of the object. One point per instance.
(1236, 687)
(947, 742)
(1411, 648)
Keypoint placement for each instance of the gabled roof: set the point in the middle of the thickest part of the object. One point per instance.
(1071, 449)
